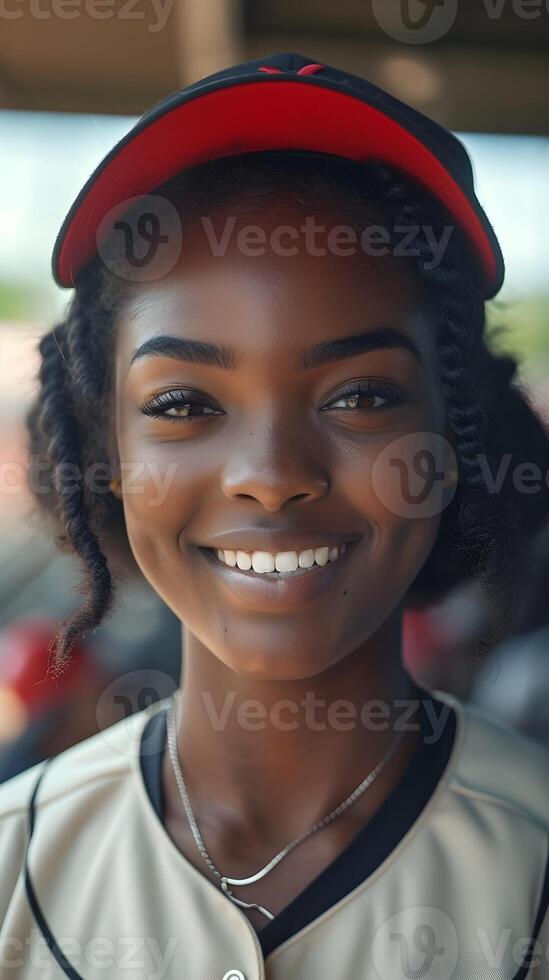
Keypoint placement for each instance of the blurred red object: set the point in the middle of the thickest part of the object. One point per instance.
(26, 689)
(424, 638)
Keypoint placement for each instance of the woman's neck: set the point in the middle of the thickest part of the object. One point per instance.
(272, 757)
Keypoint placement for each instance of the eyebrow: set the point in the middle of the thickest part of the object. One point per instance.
(353, 344)
(222, 356)
(183, 349)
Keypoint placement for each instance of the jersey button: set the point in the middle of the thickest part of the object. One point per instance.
(234, 975)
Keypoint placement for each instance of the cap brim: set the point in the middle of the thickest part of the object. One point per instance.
(263, 114)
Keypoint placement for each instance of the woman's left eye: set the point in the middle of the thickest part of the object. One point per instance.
(178, 404)
(388, 393)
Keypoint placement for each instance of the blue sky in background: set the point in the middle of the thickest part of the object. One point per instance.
(46, 157)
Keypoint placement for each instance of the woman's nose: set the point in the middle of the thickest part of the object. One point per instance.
(274, 470)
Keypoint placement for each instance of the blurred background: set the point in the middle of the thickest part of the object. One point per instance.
(74, 77)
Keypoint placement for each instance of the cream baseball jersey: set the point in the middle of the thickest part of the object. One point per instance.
(449, 879)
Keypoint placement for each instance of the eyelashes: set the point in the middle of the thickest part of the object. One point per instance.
(189, 406)
(184, 402)
(389, 391)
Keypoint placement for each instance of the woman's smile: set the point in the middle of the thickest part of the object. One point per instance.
(280, 590)
(281, 562)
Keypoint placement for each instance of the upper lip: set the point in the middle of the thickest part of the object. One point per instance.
(276, 540)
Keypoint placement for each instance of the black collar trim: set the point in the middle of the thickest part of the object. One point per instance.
(374, 842)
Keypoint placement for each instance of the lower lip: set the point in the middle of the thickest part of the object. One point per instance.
(272, 592)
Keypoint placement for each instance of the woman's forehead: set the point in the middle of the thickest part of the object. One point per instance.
(253, 298)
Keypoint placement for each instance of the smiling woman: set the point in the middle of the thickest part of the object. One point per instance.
(298, 448)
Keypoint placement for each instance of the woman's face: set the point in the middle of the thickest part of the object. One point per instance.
(280, 452)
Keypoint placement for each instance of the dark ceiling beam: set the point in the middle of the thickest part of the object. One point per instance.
(119, 67)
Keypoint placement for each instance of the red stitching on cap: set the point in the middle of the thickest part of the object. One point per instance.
(310, 69)
(304, 70)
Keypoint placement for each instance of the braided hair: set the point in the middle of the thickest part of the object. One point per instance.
(481, 533)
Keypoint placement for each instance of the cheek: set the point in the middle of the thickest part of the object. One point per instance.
(163, 489)
(398, 476)
(397, 487)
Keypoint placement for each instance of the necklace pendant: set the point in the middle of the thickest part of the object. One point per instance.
(243, 905)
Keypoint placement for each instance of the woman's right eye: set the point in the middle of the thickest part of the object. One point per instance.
(179, 405)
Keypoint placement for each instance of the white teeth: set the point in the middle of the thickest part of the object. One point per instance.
(284, 562)
(306, 558)
(244, 560)
(262, 562)
(321, 556)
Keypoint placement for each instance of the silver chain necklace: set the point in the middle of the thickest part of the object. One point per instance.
(225, 879)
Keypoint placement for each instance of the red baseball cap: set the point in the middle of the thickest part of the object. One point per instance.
(280, 101)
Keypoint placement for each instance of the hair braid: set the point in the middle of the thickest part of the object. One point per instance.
(65, 382)
(485, 530)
